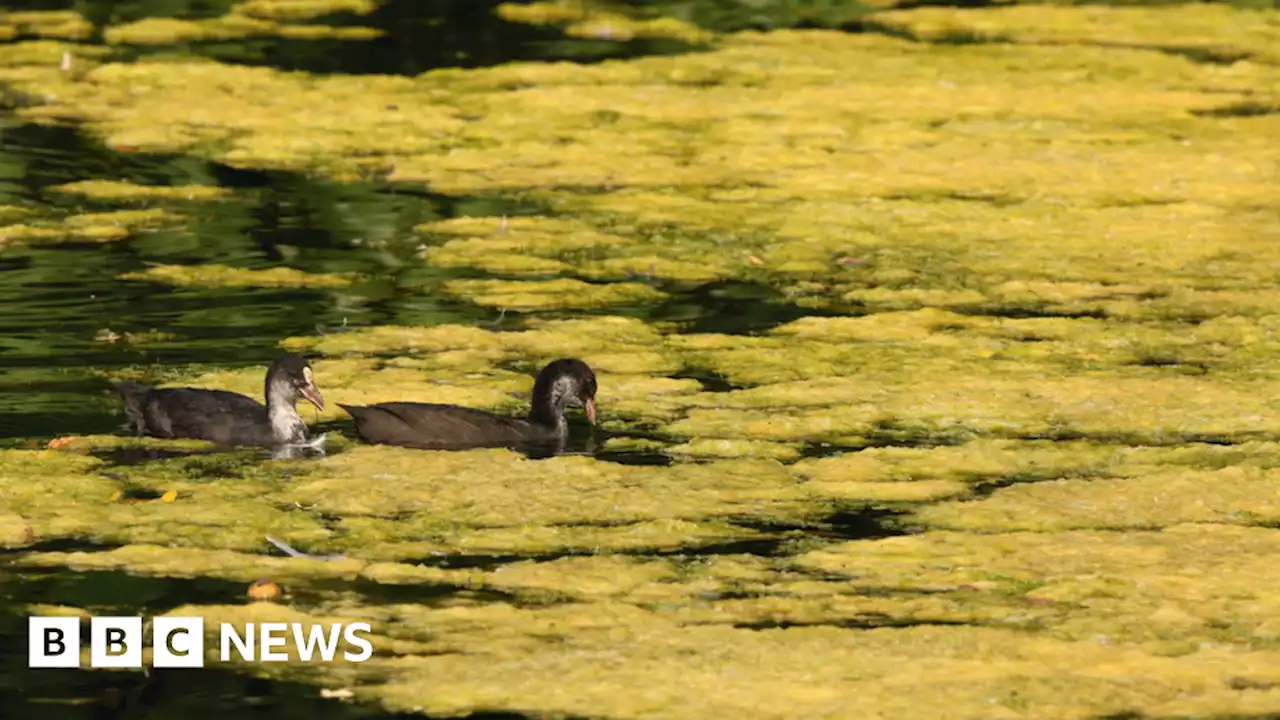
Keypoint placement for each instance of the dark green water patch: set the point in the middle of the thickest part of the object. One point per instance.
(731, 308)
(732, 16)
(986, 487)
(114, 592)
(140, 456)
(961, 36)
(1240, 109)
(763, 546)
(581, 441)
(1216, 716)
(209, 693)
(735, 16)
(822, 450)
(727, 308)
(105, 12)
(1148, 439)
(418, 35)
(1022, 311)
(69, 318)
(62, 544)
(859, 523)
(1183, 367)
(634, 457)
(861, 622)
(374, 593)
(894, 432)
(710, 381)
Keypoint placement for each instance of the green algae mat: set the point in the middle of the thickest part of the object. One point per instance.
(1013, 451)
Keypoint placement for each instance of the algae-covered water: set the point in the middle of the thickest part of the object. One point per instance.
(937, 352)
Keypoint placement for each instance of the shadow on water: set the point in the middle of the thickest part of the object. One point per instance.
(124, 457)
(114, 592)
(862, 622)
(418, 35)
(861, 523)
(488, 563)
(59, 298)
(642, 458)
(730, 308)
(867, 523)
(206, 693)
(209, 693)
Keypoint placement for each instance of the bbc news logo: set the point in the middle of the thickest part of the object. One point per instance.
(178, 642)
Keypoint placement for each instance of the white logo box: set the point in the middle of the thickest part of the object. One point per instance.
(178, 642)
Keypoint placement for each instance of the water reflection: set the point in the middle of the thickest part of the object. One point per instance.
(418, 35)
(60, 300)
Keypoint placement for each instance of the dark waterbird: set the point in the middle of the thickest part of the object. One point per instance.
(223, 417)
(562, 383)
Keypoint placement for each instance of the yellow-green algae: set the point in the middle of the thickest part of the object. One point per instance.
(61, 24)
(303, 9)
(543, 13)
(9, 213)
(1209, 27)
(126, 191)
(725, 448)
(43, 61)
(91, 227)
(14, 531)
(10, 234)
(580, 19)
(167, 31)
(84, 444)
(317, 32)
(211, 275)
(72, 500)
(560, 293)
(31, 59)
(1154, 499)
(539, 245)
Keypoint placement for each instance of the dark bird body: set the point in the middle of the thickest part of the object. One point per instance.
(561, 383)
(224, 417)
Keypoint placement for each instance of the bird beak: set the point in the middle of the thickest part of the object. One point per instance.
(312, 394)
(590, 406)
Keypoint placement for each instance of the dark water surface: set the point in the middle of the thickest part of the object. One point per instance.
(59, 299)
(418, 35)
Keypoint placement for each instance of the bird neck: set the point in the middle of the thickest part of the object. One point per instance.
(547, 411)
(286, 424)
